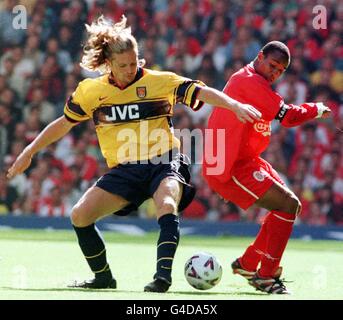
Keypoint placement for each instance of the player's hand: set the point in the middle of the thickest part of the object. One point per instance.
(326, 113)
(323, 110)
(20, 164)
(246, 112)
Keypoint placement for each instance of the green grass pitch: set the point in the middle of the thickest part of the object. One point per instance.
(36, 264)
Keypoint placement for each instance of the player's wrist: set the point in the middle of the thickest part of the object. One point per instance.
(235, 105)
(29, 151)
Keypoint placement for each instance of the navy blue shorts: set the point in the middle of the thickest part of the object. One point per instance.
(137, 182)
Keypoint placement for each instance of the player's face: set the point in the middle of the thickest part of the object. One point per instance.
(124, 67)
(272, 66)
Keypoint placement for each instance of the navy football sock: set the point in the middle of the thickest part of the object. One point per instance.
(94, 250)
(167, 245)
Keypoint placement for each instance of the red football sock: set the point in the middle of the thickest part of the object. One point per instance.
(279, 229)
(252, 255)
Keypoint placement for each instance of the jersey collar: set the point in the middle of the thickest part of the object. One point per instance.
(251, 66)
(139, 74)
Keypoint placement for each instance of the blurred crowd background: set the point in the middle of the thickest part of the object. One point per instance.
(202, 39)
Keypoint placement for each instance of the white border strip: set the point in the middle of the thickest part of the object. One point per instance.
(282, 218)
(244, 188)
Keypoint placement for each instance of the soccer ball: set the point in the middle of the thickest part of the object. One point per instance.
(203, 271)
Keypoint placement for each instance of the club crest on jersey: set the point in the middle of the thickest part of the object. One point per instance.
(259, 175)
(263, 127)
(141, 92)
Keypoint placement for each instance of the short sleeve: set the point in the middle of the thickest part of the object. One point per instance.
(185, 90)
(187, 93)
(74, 109)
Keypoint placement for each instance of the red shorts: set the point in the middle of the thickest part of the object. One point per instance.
(250, 180)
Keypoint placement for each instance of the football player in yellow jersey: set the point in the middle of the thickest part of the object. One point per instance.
(131, 108)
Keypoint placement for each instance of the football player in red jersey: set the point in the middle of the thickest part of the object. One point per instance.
(246, 178)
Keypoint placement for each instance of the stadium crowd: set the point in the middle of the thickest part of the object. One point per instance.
(203, 39)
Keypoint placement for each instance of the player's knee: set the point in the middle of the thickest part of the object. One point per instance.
(299, 208)
(76, 216)
(167, 205)
(293, 205)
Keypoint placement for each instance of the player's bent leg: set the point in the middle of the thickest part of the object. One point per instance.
(95, 204)
(277, 228)
(282, 202)
(280, 198)
(166, 198)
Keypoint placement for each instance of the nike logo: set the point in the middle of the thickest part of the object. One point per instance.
(102, 98)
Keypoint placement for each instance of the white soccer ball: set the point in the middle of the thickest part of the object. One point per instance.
(203, 271)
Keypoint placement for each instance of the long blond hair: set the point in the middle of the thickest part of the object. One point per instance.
(106, 38)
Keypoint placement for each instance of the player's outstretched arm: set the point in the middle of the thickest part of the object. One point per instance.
(244, 112)
(53, 132)
(292, 115)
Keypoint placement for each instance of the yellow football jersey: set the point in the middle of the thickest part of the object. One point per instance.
(133, 123)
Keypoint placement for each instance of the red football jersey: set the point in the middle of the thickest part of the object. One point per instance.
(249, 140)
